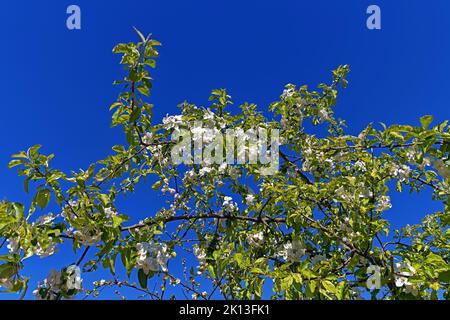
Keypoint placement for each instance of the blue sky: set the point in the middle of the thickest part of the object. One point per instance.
(56, 84)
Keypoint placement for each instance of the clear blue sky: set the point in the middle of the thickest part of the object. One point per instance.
(56, 84)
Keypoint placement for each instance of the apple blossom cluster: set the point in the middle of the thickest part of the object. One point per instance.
(60, 284)
(402, 271)
(152, 257)
(383, 203)
(45, 219)
(229, 205)
(256, 240)
(42, 250)
(171, 122)
(46, 250)
(292, 251)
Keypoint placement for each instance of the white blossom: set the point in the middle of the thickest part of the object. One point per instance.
(256, 240)
(383, 203)
(48, 251)
(411, 289)
(208, 115)
(99, 283)
(360, 165)
(411, 155)
(45, 219)
(228, 204)
(14, 245)
(249, 199)
(323, 114)
(292, 251)
(343, 194)
(402, 272)
(147, 138)
(152, 256)
(74, 280)
(222, 168)
(190, 175)
(200, 254)
(50, 288)
(110, 212)
(69, 210)
(58, 283)
(403, 173)
(172, 121)
(204, 170)
(287, 93)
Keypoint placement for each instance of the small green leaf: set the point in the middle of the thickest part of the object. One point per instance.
(140, 34)
(143, 279)
(117, 220)
(329, 286)
(239, 258)
(18, 208)
(426, 121)
(15, 163)
(33, 150)
(135, 114)
(157, 185)
(144, 90)
(7, 270)
(43, 198)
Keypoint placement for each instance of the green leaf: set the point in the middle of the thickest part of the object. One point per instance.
(110, 262)
(312, 286)
(143, 279)
(144, 90)
(286, 282)
(117, 220)
(43, 198)
(21, 155)
(114, 105)
(33, 150)
(18, 208)
(239, 258)
(15, 163)
(7, 270)
(435, 260)
(157, 185)
(445, 276)
(426, 121)
(120, 48)
(135, 114)
(151, 63)
(329, 286)
(256, 270)
(140, 34)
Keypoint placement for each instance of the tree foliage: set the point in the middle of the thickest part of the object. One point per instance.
(313, 230)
